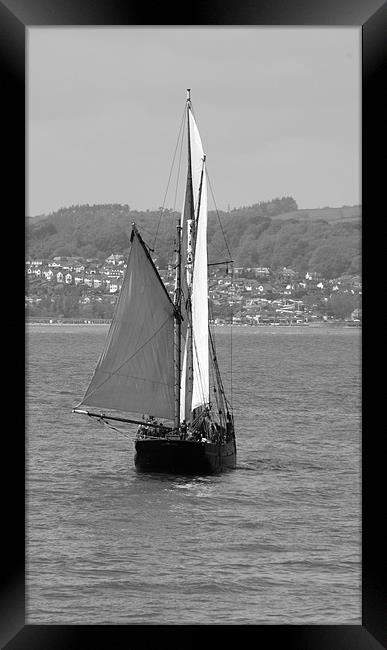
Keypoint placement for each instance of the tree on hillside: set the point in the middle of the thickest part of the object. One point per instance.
(314, 300)
(42, 229)
(332, 259)
(252, 236)
(90, 251)
(341, 305)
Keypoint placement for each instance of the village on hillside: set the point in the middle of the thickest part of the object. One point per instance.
(65, 288)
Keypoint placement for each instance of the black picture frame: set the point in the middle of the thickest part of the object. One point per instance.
(15, 17)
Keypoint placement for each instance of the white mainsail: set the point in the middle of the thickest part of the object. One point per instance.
(200, 391)
(199, 288)
(135, 372)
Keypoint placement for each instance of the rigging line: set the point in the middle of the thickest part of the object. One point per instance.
(231, 312)
(199, 373)
(220, 393)
(213, 369)
(179, 166)
(147, 253)
(231, 324)
(170, 175)
(232, 303)
(107, 424)
(219, 377)
(141, 229)
(127, 360)
(214, 249)
(144, 229)
(148, 381)
(192, 110)
(111, 326)
(217, 212)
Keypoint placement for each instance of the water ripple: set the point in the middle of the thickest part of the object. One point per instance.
(277, 541)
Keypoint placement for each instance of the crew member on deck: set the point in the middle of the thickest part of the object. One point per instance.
(228, 424)
(183, 430)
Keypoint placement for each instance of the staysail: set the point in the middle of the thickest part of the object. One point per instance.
(198, 391)
(135, 372)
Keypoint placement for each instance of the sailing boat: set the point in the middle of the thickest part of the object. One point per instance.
(159, 352)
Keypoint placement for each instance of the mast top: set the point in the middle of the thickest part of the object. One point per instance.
(188, 94)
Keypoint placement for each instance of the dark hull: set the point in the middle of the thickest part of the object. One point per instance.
(184, 457)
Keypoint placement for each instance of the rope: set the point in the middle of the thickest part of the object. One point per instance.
(217, 211)
(110, 426)
(145, 230)
(111, 374)
(225, 401)
(178, 168)
(231, 324)
(231, 307)
(214, 382)
(169, 178)
(200, 375)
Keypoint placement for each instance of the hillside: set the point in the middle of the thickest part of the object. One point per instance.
(273, 234)
(331, 215)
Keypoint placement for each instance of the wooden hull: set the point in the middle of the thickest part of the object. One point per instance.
(184, 456)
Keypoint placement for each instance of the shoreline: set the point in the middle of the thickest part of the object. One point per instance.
(318, 324)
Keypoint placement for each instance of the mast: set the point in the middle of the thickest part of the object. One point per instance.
(200, 186)
(178, 289)
(190, 260)
(177, 328)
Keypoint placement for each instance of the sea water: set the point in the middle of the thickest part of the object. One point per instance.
(275, 541)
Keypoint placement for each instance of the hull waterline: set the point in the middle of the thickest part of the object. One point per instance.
(184, 457)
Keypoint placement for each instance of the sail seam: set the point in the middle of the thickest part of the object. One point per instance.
(129, 359)
(199, 373)
(154, 267)
(116, 372)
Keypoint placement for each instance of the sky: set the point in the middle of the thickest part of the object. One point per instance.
(278, 109)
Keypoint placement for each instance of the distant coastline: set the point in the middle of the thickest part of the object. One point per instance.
(101, 321)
